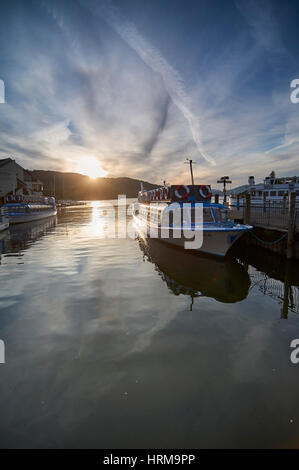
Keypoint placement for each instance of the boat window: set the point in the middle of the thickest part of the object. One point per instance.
(260, 193)
(266, 193)
(207, 215)
(193, 218)
(144, 212)
(297, 193)
(280, 193)
(185, 218)
(159, 217)
(272, 193)
(169, 219)
(217, 214)
(16, 209)
(220, 214)
(252, 193)
(154, 215)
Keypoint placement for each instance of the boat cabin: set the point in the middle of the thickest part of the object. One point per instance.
(164, 215)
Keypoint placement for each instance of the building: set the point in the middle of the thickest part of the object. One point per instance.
(15, 180)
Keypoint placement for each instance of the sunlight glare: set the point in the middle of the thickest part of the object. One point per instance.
(90, 166)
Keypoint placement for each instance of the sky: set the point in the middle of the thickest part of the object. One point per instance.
(139, 86)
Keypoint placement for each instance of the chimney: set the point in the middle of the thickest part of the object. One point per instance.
(251, 181)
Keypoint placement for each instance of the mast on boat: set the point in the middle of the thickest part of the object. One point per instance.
(190, 162)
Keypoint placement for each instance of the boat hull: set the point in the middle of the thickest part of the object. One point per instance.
(216, 242)
(30, 217)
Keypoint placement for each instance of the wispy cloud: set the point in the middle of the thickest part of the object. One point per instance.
(152, 57)
(89, 81)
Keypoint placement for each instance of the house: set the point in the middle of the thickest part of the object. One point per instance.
(15, 180)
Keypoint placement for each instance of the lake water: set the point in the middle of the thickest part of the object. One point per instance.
(121, 343)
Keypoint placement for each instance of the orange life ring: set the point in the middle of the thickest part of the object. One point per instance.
(205, 195)
(178, 195)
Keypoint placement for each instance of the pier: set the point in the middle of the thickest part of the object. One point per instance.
(276, 227)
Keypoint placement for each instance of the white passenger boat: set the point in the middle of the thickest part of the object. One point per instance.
(21, 209)
(170, 214)
(273, 190)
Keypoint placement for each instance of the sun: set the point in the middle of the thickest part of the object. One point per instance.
(90, 166)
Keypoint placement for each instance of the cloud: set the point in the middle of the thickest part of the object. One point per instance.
(152, 57)
(263, 23)
(95, 84)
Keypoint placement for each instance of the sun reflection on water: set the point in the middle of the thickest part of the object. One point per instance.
(102, 219)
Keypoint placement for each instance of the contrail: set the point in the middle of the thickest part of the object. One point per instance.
(151, 57)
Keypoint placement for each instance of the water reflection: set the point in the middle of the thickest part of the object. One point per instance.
(102, 218)
(273, 276)
(102, 350)
(21, 236)
(196, 275)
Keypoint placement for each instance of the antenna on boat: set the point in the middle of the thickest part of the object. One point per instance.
(190, 162)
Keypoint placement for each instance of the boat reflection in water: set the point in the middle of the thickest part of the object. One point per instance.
(196, 275)
(22, 236)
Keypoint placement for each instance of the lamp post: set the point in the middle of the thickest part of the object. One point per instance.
(224, 180)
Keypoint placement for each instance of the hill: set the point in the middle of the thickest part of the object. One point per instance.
(78, 187)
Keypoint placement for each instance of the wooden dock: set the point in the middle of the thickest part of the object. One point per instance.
(276, 228)
(270, 220)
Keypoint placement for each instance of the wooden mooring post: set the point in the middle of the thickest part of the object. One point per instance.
(291, 226)
(216, 198)
(247, 209)
(284, 203)
(264, 201)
